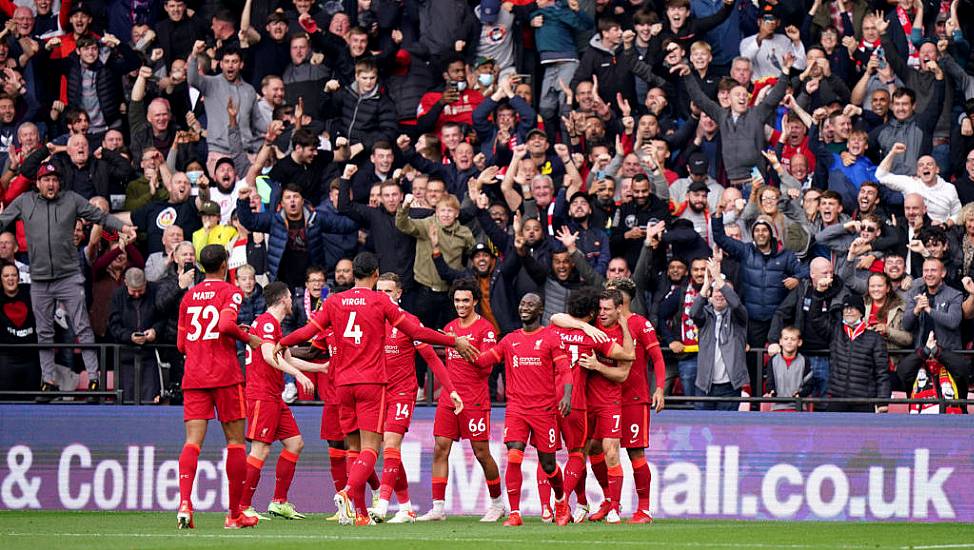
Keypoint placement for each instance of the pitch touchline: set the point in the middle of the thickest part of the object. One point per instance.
(459, 539)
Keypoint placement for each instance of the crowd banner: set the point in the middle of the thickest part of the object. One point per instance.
(788, 466)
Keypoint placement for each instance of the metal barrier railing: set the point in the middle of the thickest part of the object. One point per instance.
(115, 352)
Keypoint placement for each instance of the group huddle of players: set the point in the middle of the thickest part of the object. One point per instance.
(569, 383)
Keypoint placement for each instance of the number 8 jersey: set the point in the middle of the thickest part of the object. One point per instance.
(211, 357)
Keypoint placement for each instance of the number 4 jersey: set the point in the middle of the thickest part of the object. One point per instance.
(211, 357)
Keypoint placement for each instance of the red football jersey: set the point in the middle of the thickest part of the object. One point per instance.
(534, 363)
(599, 390)
(470, 380)
(326, 380)
(358, 317)
(211, 357)
(401, 360)
(264, 381)
(636, 388)
(577, 344)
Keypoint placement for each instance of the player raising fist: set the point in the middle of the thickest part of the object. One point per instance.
(212, 378)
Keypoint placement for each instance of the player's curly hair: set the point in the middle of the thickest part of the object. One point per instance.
(624, 285)
(364, 265)
(582, 303)
(468, 285)
(212, 257)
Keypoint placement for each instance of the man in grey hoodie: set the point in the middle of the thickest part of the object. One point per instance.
(49, 216)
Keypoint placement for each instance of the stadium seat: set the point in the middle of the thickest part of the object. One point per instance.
(899, 408)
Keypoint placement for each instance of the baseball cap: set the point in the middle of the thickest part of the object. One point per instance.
(483, 60)
(209, 208)
(47, 169)
(481, 247)
(490, 11)
(535, 132)
(221, 161)
(80, 7)
(577, 195)
(698, 164)
(698, 186)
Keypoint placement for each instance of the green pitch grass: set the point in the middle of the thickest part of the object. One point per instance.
(108, 531)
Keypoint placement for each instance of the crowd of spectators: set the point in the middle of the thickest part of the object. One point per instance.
(796, 175)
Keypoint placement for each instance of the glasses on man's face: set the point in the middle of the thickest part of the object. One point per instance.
(869, 229)
(316, 281)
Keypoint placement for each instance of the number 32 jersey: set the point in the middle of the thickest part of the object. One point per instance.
(211, 357)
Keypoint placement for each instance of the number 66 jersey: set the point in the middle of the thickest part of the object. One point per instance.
(211, 356)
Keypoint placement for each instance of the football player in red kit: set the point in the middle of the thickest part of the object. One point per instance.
(212, 379)
(400, 403)
(473, 424)
(581, 339)
(359, 317)
(268, 417)
(536, 366)
(604, 398)
(636, 400)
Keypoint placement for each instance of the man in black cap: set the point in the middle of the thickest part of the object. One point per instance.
(859, 362)
(696, 208)
(574, 216)
(698, 170)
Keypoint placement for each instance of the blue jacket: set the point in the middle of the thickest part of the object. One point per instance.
(275, 225)
(762, 275)
(340, 243)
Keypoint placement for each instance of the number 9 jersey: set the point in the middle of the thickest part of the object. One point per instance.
(211, 357)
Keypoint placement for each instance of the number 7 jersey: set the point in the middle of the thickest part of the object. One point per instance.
(211, 357)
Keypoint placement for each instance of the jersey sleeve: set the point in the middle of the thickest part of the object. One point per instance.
(181, 328)
(647, 339)
(317, 324)
(228, 316)
(490, 357)
(436, 365)
(414, 329)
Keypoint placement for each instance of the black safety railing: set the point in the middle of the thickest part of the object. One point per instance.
(116, 395)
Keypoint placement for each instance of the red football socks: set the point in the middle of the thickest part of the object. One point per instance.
(494, 487)
(236, 468)
(391, 466)
(614, 489)
(439, 488)
(600, 470)
(544, 489)
(513, 478)
(556, 482)
(641, 478)
(402, 486)
(575, 472)
(361, 468)
(339, 470)
(188, 460)
(285, 473)
(254, 466)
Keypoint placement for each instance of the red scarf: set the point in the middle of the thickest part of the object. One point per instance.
(932, 382)
(856, 332)
(907, 23)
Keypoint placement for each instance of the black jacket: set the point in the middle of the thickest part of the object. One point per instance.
(108, 79)
(361, 118)
(631, 215)
(858, 368)
(98, 177)
(801, 307)
(503, 299)
(129, 315)
(395, 249)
